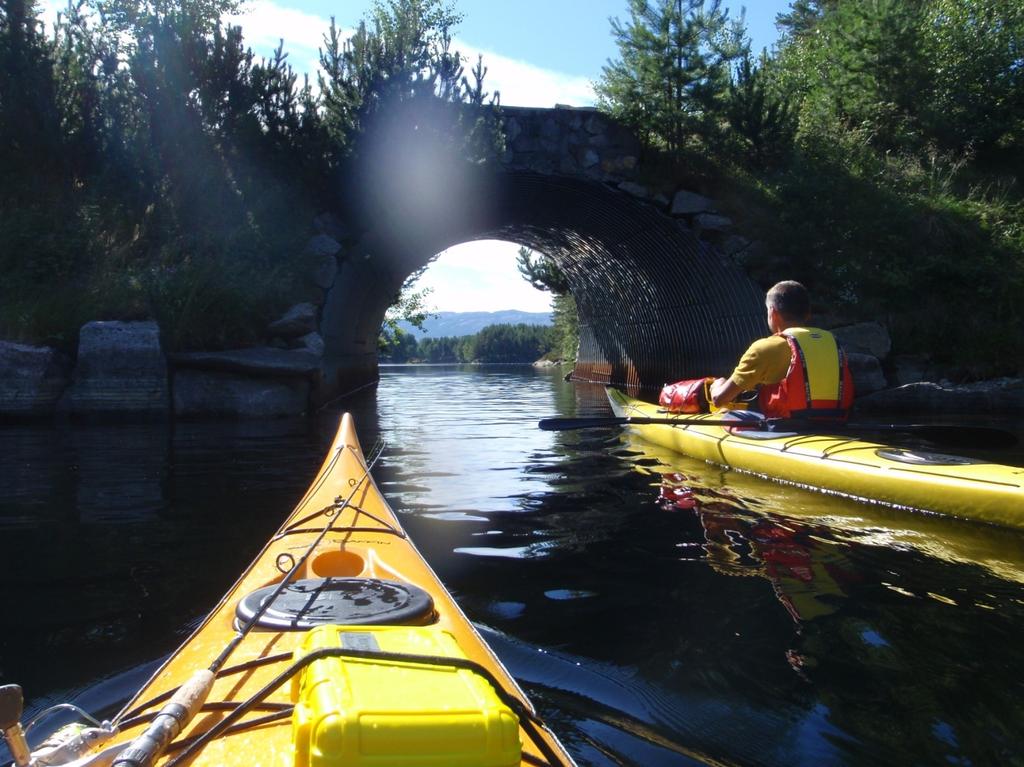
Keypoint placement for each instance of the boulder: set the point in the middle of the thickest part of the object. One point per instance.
(325, 272)
(205, 393)
(912, 368)
(549, 130)
(586, 157)
(594, 125)
(32, 379)
(332, 226)
(734, 244)
(710, 222)
(865, 338)
(262, 362)
(687, 203)
(867, 373)
(297, 321)
(637, 190)
(624, 164)
(312, 343)
(120, 370)
(322, 246)
(1002, 395)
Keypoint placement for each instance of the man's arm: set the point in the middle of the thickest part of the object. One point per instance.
(723, 391)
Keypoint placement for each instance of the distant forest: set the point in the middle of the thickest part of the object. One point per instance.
(493, 344)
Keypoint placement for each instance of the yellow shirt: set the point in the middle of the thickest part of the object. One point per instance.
(765, 362)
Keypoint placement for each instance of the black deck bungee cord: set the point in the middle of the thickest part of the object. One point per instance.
(189, 747)
(376, 452)
(185, 702)
(238, 669)
(527, 719)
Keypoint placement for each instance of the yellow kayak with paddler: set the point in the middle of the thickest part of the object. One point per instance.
(337, 647)
(871, 471)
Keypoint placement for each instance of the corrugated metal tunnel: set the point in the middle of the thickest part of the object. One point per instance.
(655, 304)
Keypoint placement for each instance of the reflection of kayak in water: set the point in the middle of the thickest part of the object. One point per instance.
(866, 470)
(999, 551)
(801, 570)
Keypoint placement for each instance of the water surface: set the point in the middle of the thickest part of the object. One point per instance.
(660, 611)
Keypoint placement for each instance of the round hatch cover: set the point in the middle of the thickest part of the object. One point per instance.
(924, 458)
(350, 601)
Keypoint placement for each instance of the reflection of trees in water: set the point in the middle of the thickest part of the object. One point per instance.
(134, 531)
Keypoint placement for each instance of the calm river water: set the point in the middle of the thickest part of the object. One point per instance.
(659, 611)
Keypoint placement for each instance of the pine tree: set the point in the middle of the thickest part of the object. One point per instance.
(31, 145)
(543, 273)
(671, 78)
(803, 16)
(763, 122)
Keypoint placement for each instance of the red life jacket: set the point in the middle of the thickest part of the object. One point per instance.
(818, 384)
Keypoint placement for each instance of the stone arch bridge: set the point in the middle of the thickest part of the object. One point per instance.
(658, 296)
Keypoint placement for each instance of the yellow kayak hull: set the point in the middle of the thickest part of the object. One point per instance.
(365, 542)
(986, 492)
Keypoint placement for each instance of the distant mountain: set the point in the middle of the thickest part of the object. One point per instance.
(467, 323)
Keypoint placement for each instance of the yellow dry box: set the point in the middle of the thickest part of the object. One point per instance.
(373, 713)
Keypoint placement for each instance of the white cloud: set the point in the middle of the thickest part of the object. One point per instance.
(265, 23)
(481, 276)
(522, 84)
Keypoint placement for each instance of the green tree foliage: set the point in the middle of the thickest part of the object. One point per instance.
(901, 200)
(763, 122)
(567, 327)
(29, 120)
(152, 166)
(672, 73)
(913, 76)
(509, 343)
(401, 62)
(543, 273)
(445, 349)
(402, 54)
(494, 344)
(976, 93)
(875, 153)
(803, 16)
(409, 306)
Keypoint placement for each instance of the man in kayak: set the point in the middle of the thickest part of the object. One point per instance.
(798, 371)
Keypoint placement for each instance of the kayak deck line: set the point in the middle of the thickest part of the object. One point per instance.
(912, 470)
(384, 525)
(865, 470)
(357, 638)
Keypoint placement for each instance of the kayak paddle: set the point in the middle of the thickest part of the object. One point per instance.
(566, 424)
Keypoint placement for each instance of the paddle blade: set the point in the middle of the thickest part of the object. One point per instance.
(566, 424)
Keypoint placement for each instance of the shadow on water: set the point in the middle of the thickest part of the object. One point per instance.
(660, 611)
